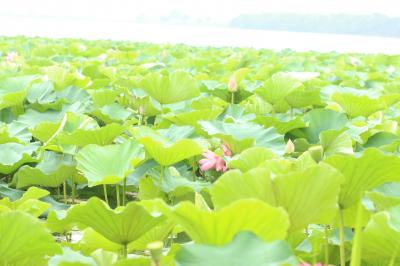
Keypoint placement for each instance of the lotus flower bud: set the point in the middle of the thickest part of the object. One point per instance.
(289, 147)
(232, 84)
(155, 249)
(141, 110)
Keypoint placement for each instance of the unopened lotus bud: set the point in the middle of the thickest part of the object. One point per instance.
(232, 84)
(316, 152)
(289, 147)
(155, 249)
(141, 110)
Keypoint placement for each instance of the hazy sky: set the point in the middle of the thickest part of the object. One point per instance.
(215, 10)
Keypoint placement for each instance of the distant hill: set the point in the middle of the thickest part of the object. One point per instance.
(372, 25)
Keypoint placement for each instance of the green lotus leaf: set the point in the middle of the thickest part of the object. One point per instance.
(100, 136)
(169, 146)
(328, 91)
(240, 136)
(385, 196)
(304, 97)
(381, 236)
(108, 164)
(234, 185)
(24, 239)
(92, 241)
(103, 96)
(52, 171)
(299, 192)
(29, 202)
(72, 94)
(140, 171)
(43, 96)
(142, 100)
(276, 88)
(191, 118)
(172, 180)
(104, 258)
(172, 187)
(15, 194)
(336, 141)
(256, 105)
(175, 87)
(70, 257)
(45, 130)
(158, 233)
(319, 120)
(220, 227)
(13, 155)
(381, 139)
(121, 226)
(58, 221)
(220, 90)
(32, 118)
(14, 132)
(149, 189)
(70, 122)
(358, 105)
(282, 123)
(42, 93)
(135, 262)
(235, 114)
(251, 158)
(13, 90)
(112, 113)
(364, 173)
(204, 103)
(61, 77)
(252, 250)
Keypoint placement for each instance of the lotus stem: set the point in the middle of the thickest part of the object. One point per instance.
(341, 238)
(357, 240)
(117, 194)
(124, 193)
(140, 120)
(65, 192)
(105, 193)
(125, 251)
(73, 191)
(326, 244)
(58, 193)
(232, 97)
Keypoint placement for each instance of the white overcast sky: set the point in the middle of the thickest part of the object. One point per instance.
(215, 10)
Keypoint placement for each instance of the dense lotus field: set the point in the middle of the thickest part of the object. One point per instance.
(119, 153)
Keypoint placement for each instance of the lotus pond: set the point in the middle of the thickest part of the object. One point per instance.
(120, 153)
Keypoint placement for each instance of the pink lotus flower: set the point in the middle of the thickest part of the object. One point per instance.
(11, 56)
(306, 264)
(214, 161)
(227, 151)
